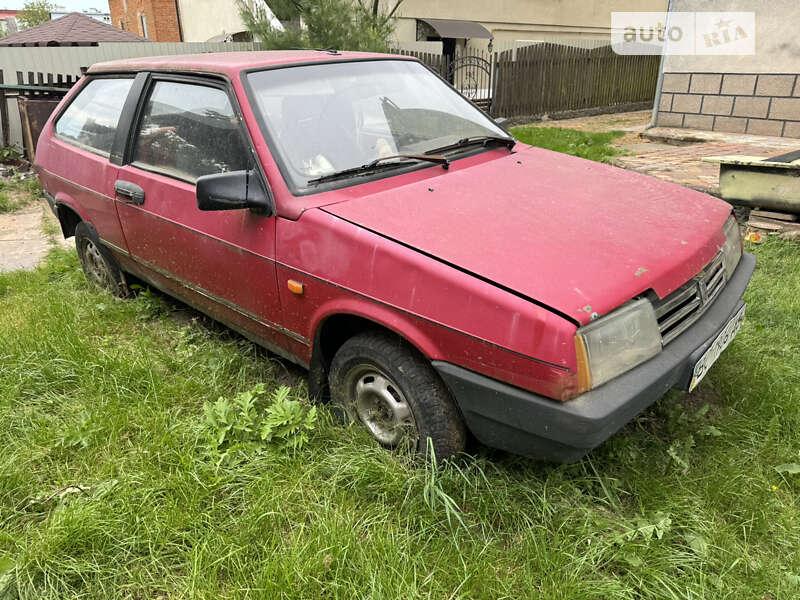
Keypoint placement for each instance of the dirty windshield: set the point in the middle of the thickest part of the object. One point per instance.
(325, 118)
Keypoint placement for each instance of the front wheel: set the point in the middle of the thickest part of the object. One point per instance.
(380, 382)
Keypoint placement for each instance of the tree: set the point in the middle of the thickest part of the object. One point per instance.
(35, 12)
(363, 25)
(286, 10)
(375, 8)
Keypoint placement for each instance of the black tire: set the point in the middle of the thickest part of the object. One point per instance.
(99, 266)
(375, 373)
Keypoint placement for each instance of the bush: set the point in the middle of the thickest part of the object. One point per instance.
(10, 154)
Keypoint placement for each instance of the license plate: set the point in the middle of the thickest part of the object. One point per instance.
(721, 342)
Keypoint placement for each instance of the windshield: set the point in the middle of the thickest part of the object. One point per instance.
(322, 119)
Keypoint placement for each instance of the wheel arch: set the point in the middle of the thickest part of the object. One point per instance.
(68, 216)
(335, 327)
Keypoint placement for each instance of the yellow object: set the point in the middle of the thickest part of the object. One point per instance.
(584, 374)
(296, 287)
(753, 237)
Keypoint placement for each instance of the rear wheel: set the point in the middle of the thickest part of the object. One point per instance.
(380, 382)
(99, 266)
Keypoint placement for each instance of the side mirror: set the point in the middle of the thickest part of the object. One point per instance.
(231, 191)
(503, 123)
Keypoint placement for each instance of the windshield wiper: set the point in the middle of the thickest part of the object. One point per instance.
(484, 140)
(382, 163)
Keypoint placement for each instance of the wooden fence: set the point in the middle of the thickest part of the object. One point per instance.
(437, 62)
(33, 97)
(548, 78)
(527, 81)
(69, 62)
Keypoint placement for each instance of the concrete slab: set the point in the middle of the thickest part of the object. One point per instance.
(679, 158)
(23, 242)
(697, 136)
(646, 147)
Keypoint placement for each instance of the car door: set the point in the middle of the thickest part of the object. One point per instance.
(222, 262)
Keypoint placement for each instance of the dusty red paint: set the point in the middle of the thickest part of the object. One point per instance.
(223, 63)
(575, 236)
(533, 218)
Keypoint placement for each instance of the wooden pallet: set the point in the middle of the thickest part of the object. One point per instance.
(763, 222)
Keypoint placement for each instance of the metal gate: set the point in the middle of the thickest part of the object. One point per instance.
(472, 75)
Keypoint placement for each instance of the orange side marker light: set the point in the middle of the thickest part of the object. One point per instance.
(584, 373)
(296, 287)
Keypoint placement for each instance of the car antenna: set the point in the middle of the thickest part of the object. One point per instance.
(332, 51)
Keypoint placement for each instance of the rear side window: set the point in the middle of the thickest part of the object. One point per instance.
(90, 120)
(189, 130)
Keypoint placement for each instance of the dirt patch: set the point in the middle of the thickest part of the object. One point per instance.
(26, 236)
(632, 123)
(693, 401)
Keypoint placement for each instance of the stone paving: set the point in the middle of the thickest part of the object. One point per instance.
(675, 154)
(683, 163)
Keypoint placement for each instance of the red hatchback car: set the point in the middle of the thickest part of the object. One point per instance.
(356, 215)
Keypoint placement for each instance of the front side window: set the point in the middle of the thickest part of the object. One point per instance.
(189, 130)
(330, 117)
(90, 120)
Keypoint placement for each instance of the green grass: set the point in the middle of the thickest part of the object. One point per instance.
(112, 487)
(108, 396)
(17, 193)
(594, 146)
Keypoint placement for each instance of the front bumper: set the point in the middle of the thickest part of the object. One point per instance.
(505, 417)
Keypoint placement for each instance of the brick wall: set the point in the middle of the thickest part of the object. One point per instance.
(160, 17)
(757, 103)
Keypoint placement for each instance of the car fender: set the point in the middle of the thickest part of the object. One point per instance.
(62, 199)
(387, 317)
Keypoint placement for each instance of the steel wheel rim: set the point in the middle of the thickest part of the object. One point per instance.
(95, 266)
(377, 402)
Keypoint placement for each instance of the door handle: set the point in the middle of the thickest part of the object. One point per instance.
(128, 192)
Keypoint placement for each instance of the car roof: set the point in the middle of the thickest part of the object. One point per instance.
(230, 63)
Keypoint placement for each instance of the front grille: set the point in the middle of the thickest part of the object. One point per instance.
(681, 308)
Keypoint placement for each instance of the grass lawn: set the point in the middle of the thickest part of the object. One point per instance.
(18, 193)
(594, 146)
(111, 487)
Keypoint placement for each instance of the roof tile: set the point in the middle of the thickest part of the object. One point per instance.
(73, 29)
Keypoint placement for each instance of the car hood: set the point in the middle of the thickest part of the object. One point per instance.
(577, 236)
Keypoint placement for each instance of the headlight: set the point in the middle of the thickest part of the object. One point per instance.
(617, 342)
(732, 250)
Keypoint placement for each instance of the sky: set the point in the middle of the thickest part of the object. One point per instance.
(69, 5)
